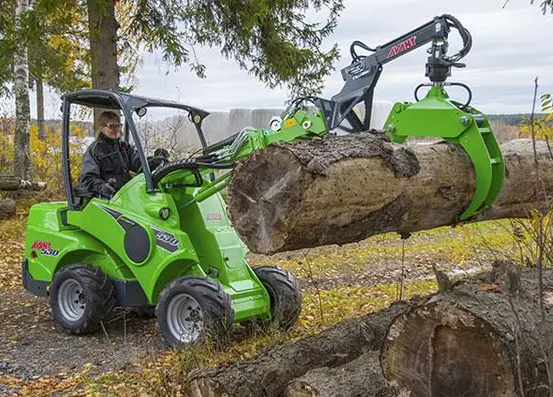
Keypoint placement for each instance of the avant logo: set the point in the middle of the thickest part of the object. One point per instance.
(45, 248)
(403, 46)
(41, 245)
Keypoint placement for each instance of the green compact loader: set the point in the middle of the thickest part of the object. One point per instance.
(164, 240)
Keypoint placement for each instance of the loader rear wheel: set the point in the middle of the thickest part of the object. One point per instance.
(285, 295)
(192, 309)
(80, 297)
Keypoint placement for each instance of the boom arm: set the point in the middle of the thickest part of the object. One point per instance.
(433, 116)
(362, 75)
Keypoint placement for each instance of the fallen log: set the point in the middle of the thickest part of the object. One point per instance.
(13, 183)
(269, 374)
(7, 209)
(343, 189)
(361, 377)
(484, 337)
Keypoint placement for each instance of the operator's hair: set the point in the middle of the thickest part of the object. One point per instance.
(103, 120)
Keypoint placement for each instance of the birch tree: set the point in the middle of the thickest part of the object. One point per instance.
(22, 151)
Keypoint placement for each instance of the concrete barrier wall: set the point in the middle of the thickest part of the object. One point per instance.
(221, 124)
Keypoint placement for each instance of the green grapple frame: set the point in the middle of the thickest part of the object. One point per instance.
(164, 239)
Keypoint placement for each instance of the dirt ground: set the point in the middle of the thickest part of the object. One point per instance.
(32, 346)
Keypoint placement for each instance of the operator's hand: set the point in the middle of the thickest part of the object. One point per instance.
(107, 190)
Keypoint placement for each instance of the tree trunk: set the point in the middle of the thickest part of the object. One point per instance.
(483, 338)
(22, 150)
(41, 123)
(7, 209)
(103, 47)
(361, 377)
(269, 374)
(343, 189)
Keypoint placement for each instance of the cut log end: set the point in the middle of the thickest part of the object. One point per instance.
(7, 209)
(270, 202)
(443, 350)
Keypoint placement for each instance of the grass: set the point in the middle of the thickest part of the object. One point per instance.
(334, 289)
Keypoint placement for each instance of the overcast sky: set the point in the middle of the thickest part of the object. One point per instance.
(511, 47)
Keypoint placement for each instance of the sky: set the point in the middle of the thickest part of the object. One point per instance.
(511, 47)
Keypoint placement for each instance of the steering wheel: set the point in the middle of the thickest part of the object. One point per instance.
(162, 160)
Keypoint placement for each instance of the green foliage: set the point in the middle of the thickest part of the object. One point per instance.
(57, 41)
(540, 126)
(53, 36)
(272, 39)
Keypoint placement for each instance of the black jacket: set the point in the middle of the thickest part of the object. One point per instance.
(108, 158)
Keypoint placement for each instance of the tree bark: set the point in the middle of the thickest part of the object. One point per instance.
(22, 150)
(103, 47)
(343, 189)
(361, 377)
(269, 374)
(484, 337)
(7, 209)
(41, 123)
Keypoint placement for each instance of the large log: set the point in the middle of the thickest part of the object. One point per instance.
(343, 189)
(7, 209)
(268, 374)
(361, 377)
(13, 183)
(482, 338)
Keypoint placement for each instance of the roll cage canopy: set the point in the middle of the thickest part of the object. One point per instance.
(127, 104)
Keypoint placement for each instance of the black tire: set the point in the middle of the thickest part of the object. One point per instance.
(284, 293)
(80, 297)
(194, 309)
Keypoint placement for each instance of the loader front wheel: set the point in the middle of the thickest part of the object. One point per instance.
(192, 309)
(80, 297)
(285, 295)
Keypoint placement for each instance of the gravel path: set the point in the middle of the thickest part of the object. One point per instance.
(32, 346)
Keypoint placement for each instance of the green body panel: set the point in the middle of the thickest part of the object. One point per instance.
(56, 245)
(437, 116)
(204, 243)
(299, 125)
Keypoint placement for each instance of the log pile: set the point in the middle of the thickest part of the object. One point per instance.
(269, 374)
(343, 189)
(483, 337)
(10, 183)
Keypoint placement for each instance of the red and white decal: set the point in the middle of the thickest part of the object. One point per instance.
(213, 217)
(41, 245)
(403, 46)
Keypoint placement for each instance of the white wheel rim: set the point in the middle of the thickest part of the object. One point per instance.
(185, 318)
(71, 299)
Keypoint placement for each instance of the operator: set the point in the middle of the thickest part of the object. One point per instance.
(108, 161)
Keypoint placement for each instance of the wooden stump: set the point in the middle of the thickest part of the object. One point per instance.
(13, 183)
(483, 338)
(7, 209)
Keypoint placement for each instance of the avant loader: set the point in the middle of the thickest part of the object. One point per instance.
(164, 240)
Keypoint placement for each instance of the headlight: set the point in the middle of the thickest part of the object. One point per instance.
(164, 213)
